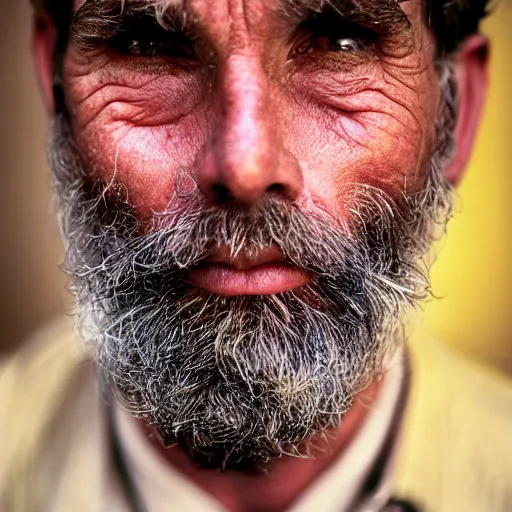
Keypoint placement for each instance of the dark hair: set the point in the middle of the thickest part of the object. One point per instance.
(452, 21)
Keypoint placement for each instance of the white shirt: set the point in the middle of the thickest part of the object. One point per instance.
(340, 488)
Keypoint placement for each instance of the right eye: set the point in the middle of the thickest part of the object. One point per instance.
(331, 33)
(146, 38)
(325, 44)
(145, 47)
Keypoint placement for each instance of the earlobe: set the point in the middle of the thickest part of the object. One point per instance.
(472, 84)
(44, 39)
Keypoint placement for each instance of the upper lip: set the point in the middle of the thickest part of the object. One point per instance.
(246, 260)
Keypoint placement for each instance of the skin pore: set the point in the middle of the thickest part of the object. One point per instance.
(248, 98)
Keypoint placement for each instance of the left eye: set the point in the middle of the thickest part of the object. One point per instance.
(324, 44)
(153, 48)
(141, 36)
(332, 33)
(349, 45)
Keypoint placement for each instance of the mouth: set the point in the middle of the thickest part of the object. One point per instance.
(264, 273)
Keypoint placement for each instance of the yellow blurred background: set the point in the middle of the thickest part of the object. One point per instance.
(471, 278)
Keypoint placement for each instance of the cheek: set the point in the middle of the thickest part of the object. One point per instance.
(365, 132)
(147, 161)
(143, 132)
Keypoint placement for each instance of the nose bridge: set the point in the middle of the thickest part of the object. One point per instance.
(246, 153)
(245, 158)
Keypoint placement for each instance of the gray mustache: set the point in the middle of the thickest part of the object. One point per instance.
(185, 237)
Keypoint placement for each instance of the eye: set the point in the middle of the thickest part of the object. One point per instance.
(330, 33)
(348, 44)
(146, 38)
(144, 47)
(325, 44)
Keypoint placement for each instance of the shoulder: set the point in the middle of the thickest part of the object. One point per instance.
(33, 386)
(456, 452)
(31, 377)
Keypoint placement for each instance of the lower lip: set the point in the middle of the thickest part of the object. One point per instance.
(265, 279)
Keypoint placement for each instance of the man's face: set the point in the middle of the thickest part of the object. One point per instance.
(246, 187)
(245, 98)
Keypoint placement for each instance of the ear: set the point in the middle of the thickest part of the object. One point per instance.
(44, 39)
(472, 82)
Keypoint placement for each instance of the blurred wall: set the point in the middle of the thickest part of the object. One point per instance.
(30, 282)
(473, 277)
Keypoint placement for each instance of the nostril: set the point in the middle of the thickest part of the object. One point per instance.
(222, 193)
(277, 188)
(280, 190)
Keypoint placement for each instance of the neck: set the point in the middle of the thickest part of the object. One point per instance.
(286, 477)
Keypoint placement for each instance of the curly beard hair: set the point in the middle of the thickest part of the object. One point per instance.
(239, 381)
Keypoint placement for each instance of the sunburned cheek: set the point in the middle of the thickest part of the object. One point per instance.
(394, 148)
(151, 163)
(368, 129)
(345, 153)
(375, 99)
(141, 132)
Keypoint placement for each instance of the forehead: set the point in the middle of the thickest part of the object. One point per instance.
(206, 8)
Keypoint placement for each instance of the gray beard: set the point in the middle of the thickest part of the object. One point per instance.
(239, 381)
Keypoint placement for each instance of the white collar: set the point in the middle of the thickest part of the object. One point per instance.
(341, 488)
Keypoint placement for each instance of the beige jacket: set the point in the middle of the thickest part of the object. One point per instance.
(455, 455)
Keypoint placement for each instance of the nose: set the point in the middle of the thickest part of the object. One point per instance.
(245, 159)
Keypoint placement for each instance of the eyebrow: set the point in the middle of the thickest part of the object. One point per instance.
(385, 17)
(97, 22)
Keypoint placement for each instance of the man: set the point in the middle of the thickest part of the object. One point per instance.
(247, 191)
